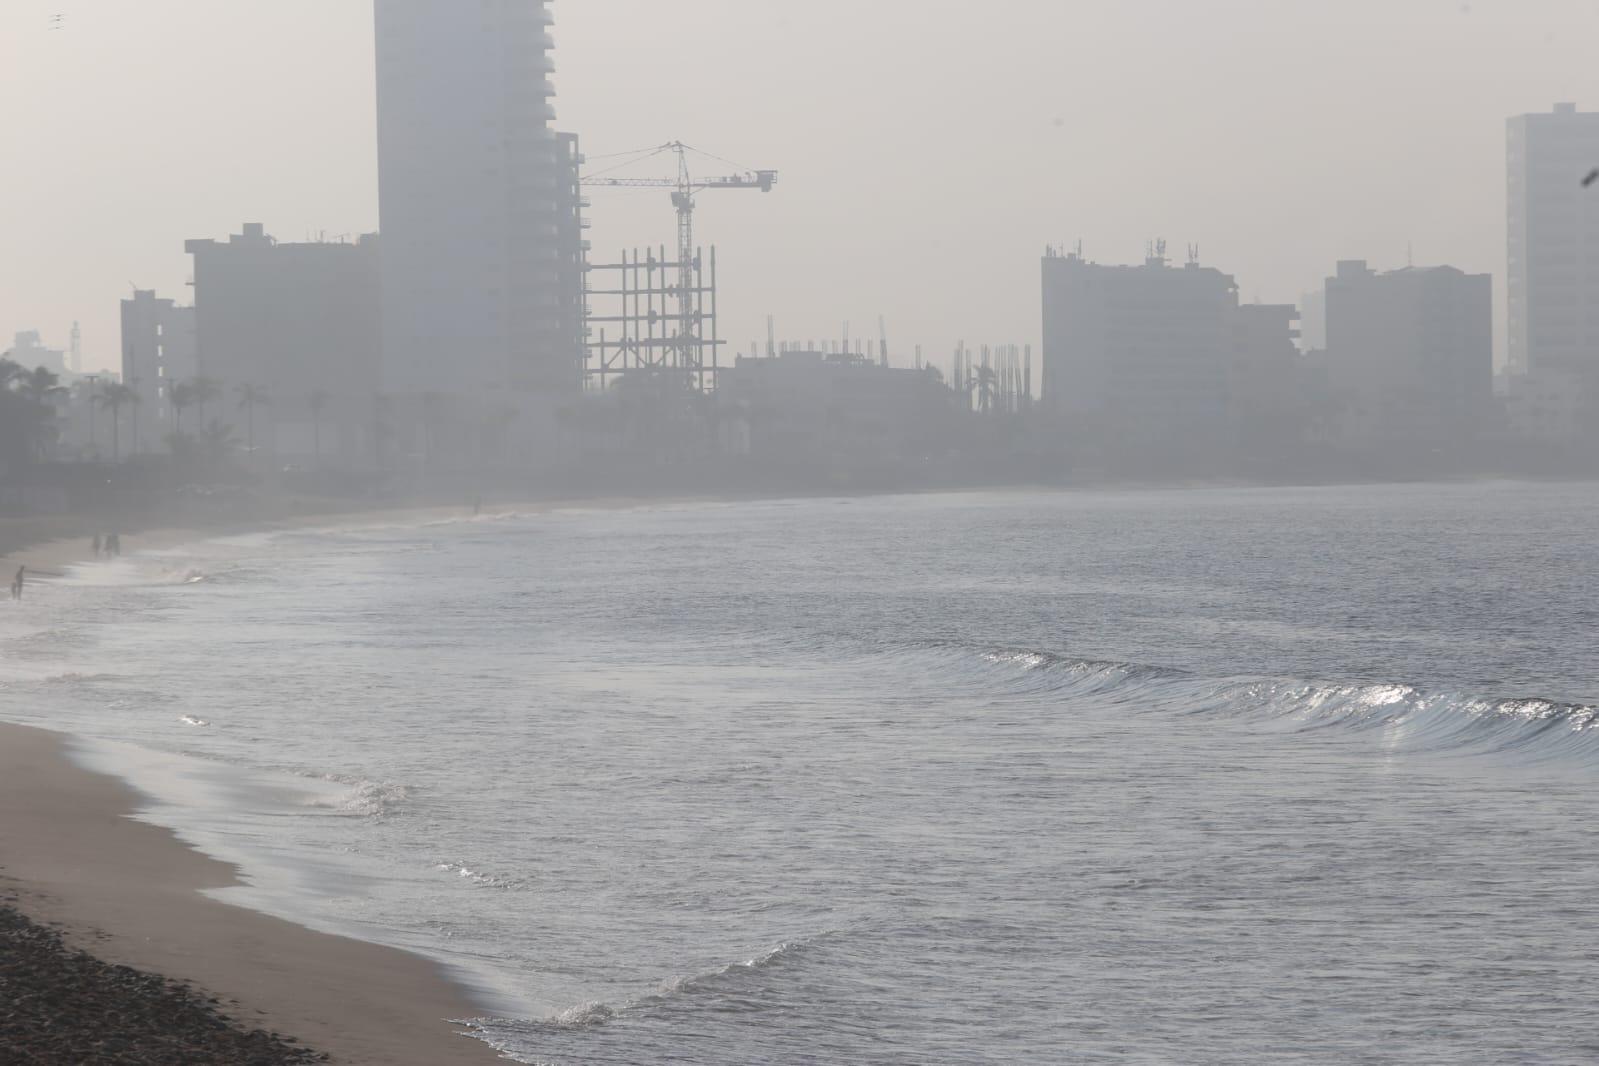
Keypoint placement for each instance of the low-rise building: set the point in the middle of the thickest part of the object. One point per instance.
(810, 409)
(29, 351)
(1409, 357)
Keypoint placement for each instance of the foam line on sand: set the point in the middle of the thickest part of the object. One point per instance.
(132, 894)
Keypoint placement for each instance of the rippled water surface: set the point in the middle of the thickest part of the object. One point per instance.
(1213, 776)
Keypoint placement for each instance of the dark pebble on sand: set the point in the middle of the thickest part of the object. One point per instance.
(63, 1007)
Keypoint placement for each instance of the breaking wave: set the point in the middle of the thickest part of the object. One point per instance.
(727, 984)
(1407, 717)
(357, 797)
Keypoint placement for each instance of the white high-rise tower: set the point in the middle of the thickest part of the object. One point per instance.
(480, 249)
(1554, 243)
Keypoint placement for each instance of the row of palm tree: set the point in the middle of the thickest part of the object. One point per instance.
(27, 411)
(114, 397)
(117, 397)
(28, 414)
(201, 391)
(197, 393)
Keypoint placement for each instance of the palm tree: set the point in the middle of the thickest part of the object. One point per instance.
(251, 397)
(13, 432)
(181, 395)
(39, 387)
(318, 402)
(27, 415)
(114, 398)
(216, 440)
(205, 390)
(133, 412)
(39, 384)
(987, 387)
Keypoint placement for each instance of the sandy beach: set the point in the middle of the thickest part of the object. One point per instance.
(131, 894)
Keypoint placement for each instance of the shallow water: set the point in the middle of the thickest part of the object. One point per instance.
(1210, 776)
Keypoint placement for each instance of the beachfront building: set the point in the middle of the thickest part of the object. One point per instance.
(1137, 359)
(1552, 371)
(298, 326)
(158, 351)
(1553, 242)
(482, 249)
(1409, 357)
(1268, 386)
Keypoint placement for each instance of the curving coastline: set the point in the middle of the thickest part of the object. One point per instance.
(131, 895)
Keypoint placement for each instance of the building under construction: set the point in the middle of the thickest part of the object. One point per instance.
(655, 312)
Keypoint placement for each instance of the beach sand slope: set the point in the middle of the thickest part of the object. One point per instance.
(130, 893)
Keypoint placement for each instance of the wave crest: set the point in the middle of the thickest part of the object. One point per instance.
(1412, 717)
(720, 983)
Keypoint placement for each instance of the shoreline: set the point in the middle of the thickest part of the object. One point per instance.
(49, 555)
(75, 858)
(132, 894)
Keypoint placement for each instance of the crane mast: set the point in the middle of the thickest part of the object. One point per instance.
(685, 188)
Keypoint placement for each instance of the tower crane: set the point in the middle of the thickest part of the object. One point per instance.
(685, 188)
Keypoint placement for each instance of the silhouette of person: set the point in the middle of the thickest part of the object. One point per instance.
(16, 585)
(97, 545)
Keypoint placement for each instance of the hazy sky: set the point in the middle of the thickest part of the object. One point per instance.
(928, 148)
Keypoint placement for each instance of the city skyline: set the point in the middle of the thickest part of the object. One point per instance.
(1304, 157)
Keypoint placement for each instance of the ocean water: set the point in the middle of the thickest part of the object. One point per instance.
(1206, 776)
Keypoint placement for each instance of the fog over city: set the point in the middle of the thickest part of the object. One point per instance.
(928, 149)
(799, 532)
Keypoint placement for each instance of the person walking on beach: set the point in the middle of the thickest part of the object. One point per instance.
(97, 545)
(16, 583)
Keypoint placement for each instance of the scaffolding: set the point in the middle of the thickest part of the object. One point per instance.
(659, 317)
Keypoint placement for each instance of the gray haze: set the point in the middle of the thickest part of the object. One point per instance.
(927, 149)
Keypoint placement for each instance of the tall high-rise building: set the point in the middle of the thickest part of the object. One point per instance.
(481, 249)
(1138, 357)
(1553, 267)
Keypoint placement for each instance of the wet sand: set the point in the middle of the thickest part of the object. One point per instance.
(130, 894)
